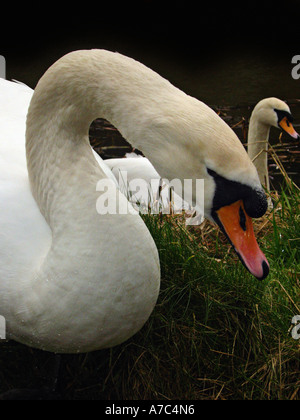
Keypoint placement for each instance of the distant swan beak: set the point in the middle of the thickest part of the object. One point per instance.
(288, 128)
(238, 227)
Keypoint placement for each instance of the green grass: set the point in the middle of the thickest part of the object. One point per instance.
(216, 332)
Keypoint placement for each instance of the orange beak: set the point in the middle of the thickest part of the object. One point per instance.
(238, 227)
(288, 128)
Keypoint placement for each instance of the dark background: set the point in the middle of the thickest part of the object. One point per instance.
(183, 32)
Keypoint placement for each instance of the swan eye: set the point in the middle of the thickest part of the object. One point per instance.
(285, 123)
(284, 116)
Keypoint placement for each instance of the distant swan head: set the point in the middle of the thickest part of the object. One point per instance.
(276, 113)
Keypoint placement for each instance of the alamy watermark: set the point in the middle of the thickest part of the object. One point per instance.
(2, 67)
(295, 333)
(145, 197)
(296, 68)
(2, 328)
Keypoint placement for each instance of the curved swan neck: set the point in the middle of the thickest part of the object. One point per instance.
(258, 137)
(79, 88)
(153, 115)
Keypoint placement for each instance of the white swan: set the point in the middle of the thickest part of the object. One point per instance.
(267, 113)
(74, 280)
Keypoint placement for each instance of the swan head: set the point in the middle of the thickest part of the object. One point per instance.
(275, 113)
(207, 149)
(234, 205)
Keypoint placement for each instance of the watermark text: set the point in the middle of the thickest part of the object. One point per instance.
(2, 67)
(154, 197)
(296, 68)
(2, 328)
(295, 333)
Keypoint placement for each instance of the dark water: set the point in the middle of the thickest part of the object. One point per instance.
(231, 78)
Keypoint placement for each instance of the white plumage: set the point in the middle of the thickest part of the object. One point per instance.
(72, 280)
(264, 116)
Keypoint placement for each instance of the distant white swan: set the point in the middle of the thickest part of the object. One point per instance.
(71, 279)
(269, 112)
